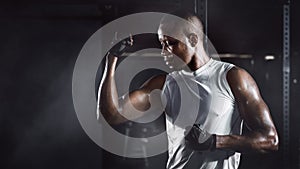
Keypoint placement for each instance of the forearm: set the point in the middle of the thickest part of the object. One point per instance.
(252, 142)
(108, 93)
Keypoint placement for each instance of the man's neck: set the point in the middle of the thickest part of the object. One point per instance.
(198, 60)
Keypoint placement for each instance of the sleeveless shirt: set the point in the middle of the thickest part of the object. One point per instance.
(201, 97)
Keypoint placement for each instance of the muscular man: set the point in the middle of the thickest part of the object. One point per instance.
(227, 94)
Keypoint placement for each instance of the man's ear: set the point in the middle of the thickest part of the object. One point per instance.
(193, 39)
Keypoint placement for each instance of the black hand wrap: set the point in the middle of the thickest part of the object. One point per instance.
(200, 140)
(119, 48)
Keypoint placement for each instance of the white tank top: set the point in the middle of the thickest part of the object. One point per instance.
(201, 97)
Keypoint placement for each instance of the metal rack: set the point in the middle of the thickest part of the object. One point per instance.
(286, 83)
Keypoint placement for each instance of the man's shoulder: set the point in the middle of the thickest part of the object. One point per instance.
(220, 67)
(222, 63)
(237, 72)
(239, 77)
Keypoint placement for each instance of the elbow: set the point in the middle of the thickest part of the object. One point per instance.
(111, 120)
(270, 143)
(274, 141)
(111, 117)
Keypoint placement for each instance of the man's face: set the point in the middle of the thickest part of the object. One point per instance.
(176, 48)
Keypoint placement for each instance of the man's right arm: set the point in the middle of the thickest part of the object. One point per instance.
(134, 104)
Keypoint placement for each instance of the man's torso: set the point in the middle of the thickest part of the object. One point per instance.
(202, 97)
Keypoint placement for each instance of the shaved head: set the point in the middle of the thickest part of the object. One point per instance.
(193, 24)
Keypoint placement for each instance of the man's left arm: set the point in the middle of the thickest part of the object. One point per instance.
(262, 136)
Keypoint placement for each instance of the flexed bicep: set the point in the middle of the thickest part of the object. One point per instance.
(131, 106)
(146, 100)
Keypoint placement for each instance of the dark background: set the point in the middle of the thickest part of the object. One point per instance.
(40, 42)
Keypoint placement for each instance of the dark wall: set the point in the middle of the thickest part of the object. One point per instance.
(39, 127)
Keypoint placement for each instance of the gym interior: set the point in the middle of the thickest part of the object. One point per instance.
(40, 43)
